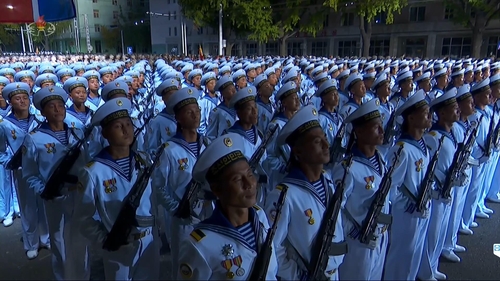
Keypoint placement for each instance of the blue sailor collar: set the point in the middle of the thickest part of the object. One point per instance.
(362, 158)
(296, 176)
(45, 128)
(105, 158)
(281, 116)
(179, 139)
(353, 102)
(269, 106)
(237, 128)
(230, 111)
(218, 223)
(441, 130)
(333, 116)
(409, 139)
(165, 114)
(213, 99)
(398, 95)
(72, 109)
(13, 119)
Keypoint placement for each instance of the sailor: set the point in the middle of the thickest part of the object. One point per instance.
(356, 88)
(288, 103)
(405, 84)
(265, 106)
(172, 177)
(222, 117)
(225, 245)
(244, 104)
(209, 100)
(409, 226)
(328, 116)
(493, 195)
(78, 114)
(163, 126)
(94, 93)
(446, 110)
(43, 151)
(310, 191)
(381, 91)
(462, 130)
(108, 179)
(45, 80)
(362, 182)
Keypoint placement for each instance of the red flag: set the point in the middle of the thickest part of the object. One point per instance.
(28, 11)
(200, 53)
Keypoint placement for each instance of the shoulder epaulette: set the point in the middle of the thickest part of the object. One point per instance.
(433, 133)
(90, 164)
(279, 187)
(197, 235)
(401, 143)
(215, 109)
(32, 132)
(257, 208)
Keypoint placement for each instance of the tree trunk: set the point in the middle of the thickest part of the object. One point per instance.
(365, 28)
(477, 35)
(282, 43)
(229, 48)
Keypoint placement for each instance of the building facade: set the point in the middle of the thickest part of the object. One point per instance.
(425, 28)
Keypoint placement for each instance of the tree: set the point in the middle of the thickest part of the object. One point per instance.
(476, 15)
(45, 41)
(367, 10)
(111, 37)
(7, 36)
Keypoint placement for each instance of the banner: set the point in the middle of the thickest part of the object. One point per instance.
(28, 11)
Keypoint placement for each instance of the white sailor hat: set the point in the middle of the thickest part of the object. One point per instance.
(301, 122)
(167, 85)
(113, 88)
(494, 80)
(381, 79)
(75, 82)
(440, 73)
(458, 73)
(105, 70)
(242, 96)
(15, 88)
(240, 73)
(463, 93)
(125, 78)
(24, 74)
(286, 90)
(352, 79)
(365, 113)
(317, 70)
(47, 94)
(369, 75)
(110, 111)
(414, 102)
(223, 82)
(45, 78)
(343, 74)
(207, 77)
(369, 66)
(250, 67)
(224, 69)
(194, 73)
(92, 74)
(480, 87)
(187, 68)
(423, 77)
(326, 87)
(309, 66)
(404, 76)
(270, 71)
(260, 80)
(218, 155)
(418, 69)
(445, 99)
(320, 78)
(182, 97)
(333, 69)
(4, 81)
(291, 75)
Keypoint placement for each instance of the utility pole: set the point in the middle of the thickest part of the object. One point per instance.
(220, 31)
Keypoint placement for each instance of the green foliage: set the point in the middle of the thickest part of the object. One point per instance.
(60, 28)
(465, 12)
(369, 9)
(9, 33)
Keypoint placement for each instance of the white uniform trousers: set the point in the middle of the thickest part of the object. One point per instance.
(494, 192)
(434, 239)
(33, 219)
(472, 198)
(178, 230)
(69, 248)
(406, 245)
(362, 263)
(489, 172)
(457, 208)
(139, 260)
(8, 199)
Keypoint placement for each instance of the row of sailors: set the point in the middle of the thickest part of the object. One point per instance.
(285, 96)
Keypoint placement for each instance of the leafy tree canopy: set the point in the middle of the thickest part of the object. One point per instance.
(465, 12)
(369, 9)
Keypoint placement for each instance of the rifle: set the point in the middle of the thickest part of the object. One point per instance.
(426, 185)
(371, 220)
(126, 220)
(261, 264)
(390, 130)
(336, 150)
(183, 211)
(61, 174)
(489, 138)
(323, 241)
(17, 159)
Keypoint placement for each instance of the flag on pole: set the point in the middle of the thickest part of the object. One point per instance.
(200, 52)
(28, 11)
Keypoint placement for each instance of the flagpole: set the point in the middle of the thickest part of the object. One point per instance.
(220, 31)
(22, 38)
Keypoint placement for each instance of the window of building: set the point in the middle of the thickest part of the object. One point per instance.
(325, 21)
(493, 43)
(200, 30)
(251, 49)
(417, 13)
(293, 49)
(214, 31)
(415, 47)
(347, 19)
(272, 49)
(98, 46)
(348, 48)
(457, 47)
(319, 49)
(448, 13)
(175, 15)
(175, 31)
(189, 31)
(379, 47)
(114, 2)
(96, 13)
(115, 14)
(97, 28)
(169, 31)
(380, 18)
(235, 50)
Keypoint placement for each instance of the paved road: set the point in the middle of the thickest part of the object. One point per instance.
(478, 263)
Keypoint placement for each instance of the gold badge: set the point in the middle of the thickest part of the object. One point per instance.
(18, 86)
(369, 182)
(51, 89)
(330, 127)
(119, 102)
(314, 112)
(309, 214)
(228, 123)
(73, 125)
(183, 164)
(190, 92)
(110, 185)
(419, 165)
(51, 147)
(228, 142)
(377, 102)
(227, 264)
(168, 131)
(186, 270)
(13, 133)
(117, 84)
(249, 90)
(24, 150)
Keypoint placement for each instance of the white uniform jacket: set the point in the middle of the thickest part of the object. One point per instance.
(42, 154)
(277, 156)
(216, 249)
(207, 105)
(266, 113)
(299, 223)
(220, 119)
(160, 130)
(73, 120)
(330, 122)
(482, 133)
(12, 135)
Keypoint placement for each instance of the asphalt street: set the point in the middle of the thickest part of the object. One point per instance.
(478, 263)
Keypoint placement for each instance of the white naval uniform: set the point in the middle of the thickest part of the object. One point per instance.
(344, 112)
(409, 226)
(441, 207)
(42, 154)
(361, 185)
(34, 222)
(160, 130)
(216, 248)
(386, 109)
(105, 185)
(299, 223)
(330, 123)
(220, 119)
(171, 179)
(207, 105)
(265, 112)
(277, 156)
(74, 119)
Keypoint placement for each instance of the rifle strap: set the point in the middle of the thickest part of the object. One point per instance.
(406, 193)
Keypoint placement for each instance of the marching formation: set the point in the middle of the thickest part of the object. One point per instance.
(265, 168)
